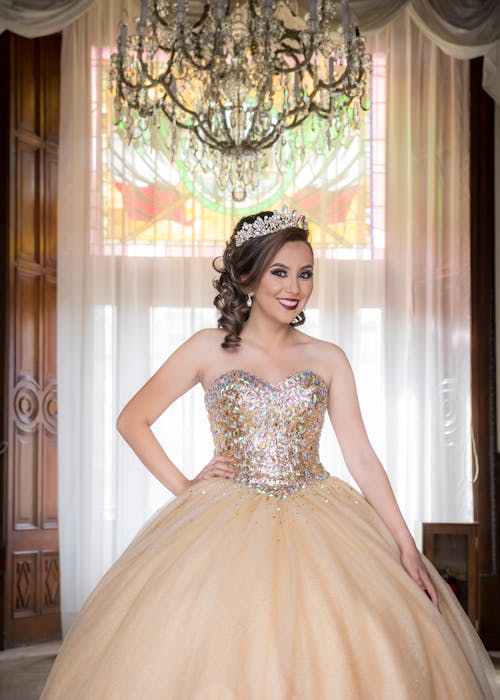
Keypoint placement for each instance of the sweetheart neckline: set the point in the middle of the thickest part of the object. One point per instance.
(220, 376)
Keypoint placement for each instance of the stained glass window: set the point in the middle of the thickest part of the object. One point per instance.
(152, 207)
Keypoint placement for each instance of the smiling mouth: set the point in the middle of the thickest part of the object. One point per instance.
(290, 304)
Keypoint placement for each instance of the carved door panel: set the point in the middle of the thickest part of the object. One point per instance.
(29, 134)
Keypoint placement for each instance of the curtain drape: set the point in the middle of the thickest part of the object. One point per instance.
(461, 28)
(33, 18)
(389, 215)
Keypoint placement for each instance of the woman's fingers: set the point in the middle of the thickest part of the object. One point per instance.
(428, 586)
(416, 568)
(220, 465)
(424, 582)
(216, 470)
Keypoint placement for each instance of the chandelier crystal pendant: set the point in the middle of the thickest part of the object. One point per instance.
(225, 84)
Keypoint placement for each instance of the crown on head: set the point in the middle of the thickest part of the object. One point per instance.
(268, 224)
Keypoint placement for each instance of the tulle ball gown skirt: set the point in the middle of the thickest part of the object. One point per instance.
(282, 583)
(228, 594)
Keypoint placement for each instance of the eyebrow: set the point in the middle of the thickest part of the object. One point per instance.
(278, 264)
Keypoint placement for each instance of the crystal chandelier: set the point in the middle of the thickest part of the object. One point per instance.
(226, 84)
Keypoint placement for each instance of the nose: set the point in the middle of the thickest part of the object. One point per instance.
(292, 286)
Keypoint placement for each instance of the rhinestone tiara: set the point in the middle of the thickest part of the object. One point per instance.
(268, 224)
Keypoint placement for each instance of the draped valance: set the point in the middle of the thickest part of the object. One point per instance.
(33, 18)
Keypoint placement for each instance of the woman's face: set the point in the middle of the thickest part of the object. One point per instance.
(286, 284)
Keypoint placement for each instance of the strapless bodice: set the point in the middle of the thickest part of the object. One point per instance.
(271, 430)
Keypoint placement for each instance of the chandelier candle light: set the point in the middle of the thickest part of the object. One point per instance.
(224, 84)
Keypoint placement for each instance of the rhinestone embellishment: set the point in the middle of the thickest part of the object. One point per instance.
(268, 224)
(272, 431)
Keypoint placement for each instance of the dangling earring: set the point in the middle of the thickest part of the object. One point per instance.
(250, 300)
(300, 319)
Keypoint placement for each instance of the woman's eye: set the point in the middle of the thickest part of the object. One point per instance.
(305, 275)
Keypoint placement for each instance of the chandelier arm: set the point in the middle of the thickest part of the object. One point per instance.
(206, 136)
(212, 143)
(367, 108)
(322, 85)
(206, 67)
(203, 17)
(156, 13)
(298, 118)
(230, 146)
(217, 35)
(321, 112)
(177, 123)
(199, 66)
(133, 90)
(288, 50)
(297, 115)
(155, 82)
(270, 139)
(152, 82)
(225, 146)
(217, 144)
(184, 108)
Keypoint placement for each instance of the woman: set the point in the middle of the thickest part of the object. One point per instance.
(267, 578)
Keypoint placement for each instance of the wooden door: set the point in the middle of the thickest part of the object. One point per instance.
(29, 128)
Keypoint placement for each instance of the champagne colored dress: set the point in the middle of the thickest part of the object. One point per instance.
(282, 583)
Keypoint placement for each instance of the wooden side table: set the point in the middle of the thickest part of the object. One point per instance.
(452, 548)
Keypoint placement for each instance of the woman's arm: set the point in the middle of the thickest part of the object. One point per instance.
(175, 377)
(366, 469)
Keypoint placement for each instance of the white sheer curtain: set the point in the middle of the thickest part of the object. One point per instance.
(427, 277)
(136, 238)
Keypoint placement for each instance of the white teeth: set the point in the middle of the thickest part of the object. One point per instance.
(288, 304)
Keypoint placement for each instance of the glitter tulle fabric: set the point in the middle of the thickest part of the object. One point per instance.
(281, 584)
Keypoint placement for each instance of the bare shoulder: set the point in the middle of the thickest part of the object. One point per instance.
(325, 351)
(327, 358)
(195, 350)
(207, 338)
(205, 350)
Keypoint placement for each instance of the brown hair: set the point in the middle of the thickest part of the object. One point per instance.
(240, 268)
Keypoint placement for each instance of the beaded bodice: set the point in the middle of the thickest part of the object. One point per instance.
(272, 431)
